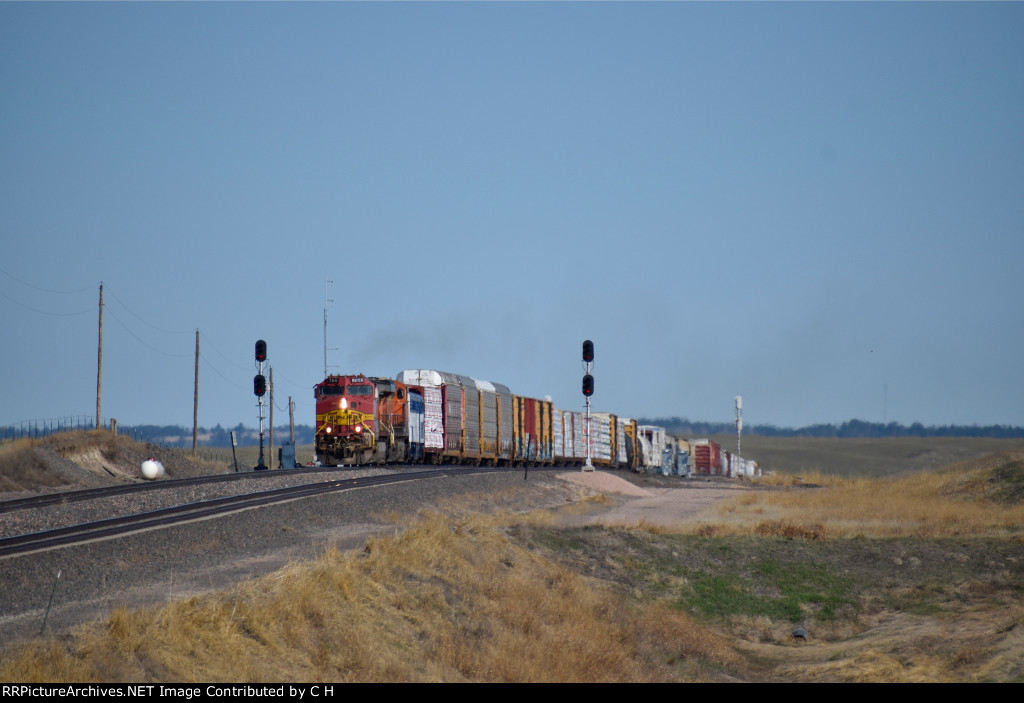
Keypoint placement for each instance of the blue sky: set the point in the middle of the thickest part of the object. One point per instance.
(817, 206)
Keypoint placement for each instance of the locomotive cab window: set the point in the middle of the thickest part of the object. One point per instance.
(360, 390)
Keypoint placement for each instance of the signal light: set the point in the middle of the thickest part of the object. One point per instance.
(261, 352)
(588, 385)
(588, 351)
(259, 385)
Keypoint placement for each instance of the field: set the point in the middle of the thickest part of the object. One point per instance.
(864, 457)
(900, 572)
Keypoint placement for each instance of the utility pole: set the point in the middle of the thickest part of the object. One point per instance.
(99, 364)
(291, 419)
(195, 403)
(739, 425)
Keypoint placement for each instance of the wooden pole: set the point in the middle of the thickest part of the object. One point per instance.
(195, 403)
(99, 364)
(291, 419)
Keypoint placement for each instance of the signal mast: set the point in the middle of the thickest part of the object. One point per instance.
(259, 387)
(588, 390)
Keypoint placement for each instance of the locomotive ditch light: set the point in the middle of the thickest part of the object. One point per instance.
(588, 385)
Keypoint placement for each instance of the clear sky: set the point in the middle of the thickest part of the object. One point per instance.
(817, 206)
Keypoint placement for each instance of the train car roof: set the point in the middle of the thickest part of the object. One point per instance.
(430, 377)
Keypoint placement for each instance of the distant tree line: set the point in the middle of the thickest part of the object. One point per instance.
(848, 429)
(178, 436)
(247, 436)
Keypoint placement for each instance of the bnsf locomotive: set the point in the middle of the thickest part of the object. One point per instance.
(426, 416)
(367, 420)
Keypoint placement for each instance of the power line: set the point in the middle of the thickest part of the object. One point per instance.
(292, 383)
(205, 359)
(45, 290)
(140, 341)
(146, 322)
(51, 314)
(223, 355)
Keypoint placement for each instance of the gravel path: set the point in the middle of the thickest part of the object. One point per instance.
(650, 500)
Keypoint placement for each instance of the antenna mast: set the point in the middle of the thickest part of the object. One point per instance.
(326, 301)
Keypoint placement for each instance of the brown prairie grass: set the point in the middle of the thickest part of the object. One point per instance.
(20, 467)
(962, 500)
(803, 479)
(445, 599)
(790, 530)
(78, 441)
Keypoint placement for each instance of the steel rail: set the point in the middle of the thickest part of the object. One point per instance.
(18, 545)
(40, 501)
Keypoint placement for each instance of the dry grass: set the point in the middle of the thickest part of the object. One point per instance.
(78, 441)
(876, 457)
(904, 579)
(976, 498)
(20, 468)
(446, 599)
(450, 598)
(805, 479)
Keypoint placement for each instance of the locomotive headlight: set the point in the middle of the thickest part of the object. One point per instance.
(359, 428)
(344, 403)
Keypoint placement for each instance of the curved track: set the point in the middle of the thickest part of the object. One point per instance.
(117, 526)
(39, 501)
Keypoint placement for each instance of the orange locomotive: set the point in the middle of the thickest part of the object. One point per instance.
(366, 420)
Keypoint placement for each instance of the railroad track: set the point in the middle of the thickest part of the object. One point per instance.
(109, 528)
(40, 501)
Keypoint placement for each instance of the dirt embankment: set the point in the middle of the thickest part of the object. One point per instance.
(83, 460)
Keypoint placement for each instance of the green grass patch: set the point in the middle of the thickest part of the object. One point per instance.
(822, 581)
(793, 592)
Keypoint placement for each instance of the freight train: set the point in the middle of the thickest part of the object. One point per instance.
(434, 417)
